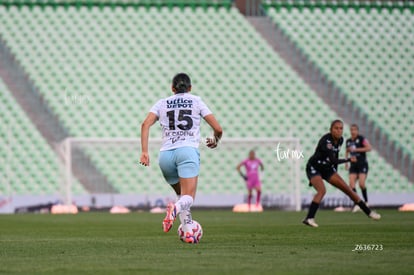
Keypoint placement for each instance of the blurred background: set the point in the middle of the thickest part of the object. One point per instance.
(77, 78)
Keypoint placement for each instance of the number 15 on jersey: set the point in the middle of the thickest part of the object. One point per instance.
(184, 121)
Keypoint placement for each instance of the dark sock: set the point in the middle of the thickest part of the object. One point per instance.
(364, 207)
(364, 194)
(259, 193)
(312, 210)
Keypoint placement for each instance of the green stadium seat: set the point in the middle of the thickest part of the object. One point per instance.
(377, 32)
(33, 166)
(124, 60)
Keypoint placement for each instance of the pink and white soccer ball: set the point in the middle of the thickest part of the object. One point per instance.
(193, 235)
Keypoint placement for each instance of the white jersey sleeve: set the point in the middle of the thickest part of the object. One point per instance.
(156, 108)
(180, 118)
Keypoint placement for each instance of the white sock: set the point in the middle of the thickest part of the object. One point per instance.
(185, 218)
(184, 203)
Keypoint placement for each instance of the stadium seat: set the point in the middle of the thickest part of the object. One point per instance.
(381, 37)
(123, 60)
(29, 165)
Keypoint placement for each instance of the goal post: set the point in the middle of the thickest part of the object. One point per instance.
(108, 169)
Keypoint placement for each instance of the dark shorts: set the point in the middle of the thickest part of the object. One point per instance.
(325, 172)
(359, 168)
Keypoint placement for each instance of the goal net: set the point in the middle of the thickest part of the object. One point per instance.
(104, 172)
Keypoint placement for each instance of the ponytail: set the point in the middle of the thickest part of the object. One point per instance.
(181, 83)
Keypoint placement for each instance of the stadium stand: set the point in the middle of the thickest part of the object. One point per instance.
(100, 69)
(28, 165)
(367, 52)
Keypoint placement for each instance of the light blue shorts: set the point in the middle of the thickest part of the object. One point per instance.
(178, 163)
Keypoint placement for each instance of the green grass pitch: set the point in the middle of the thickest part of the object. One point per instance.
(272, 242)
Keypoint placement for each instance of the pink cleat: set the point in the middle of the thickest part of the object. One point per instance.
(170, 217)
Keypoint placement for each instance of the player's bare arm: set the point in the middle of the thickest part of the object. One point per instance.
(218, 131)
(346, 156)
(145, 127)
(367, 147)
(238, 168)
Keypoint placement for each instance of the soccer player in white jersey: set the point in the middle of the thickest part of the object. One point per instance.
(179, 116)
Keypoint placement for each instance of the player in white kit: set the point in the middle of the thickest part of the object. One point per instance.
(179, 116)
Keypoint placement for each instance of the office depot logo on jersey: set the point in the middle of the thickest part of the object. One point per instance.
(179, 103)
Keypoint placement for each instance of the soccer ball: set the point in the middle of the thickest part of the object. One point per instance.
(193, 235)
